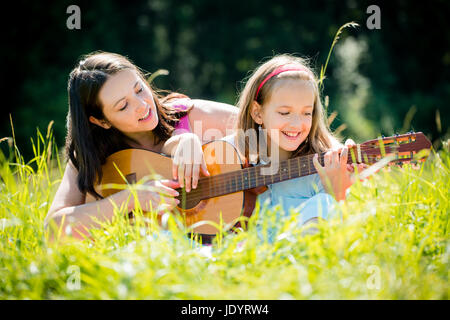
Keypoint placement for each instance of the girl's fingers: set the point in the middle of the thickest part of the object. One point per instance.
(160, 197)
(320, 170)
(181, 175)
(349, 142)
(171, 202)
(188, 177)
(350, 168)
(344, 156)
(316, 164)
(163, 190)
(361, 167)
(204, 168)
(335, 157)
(170, 186)
(327, 159)
(195, 174)
(358, 166)
(175, 171)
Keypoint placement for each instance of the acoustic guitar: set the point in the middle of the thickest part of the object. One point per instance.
(233, 186)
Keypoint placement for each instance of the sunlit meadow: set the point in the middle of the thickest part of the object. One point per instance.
(391, 243)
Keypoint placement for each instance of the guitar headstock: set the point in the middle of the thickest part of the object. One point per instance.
(410, 147)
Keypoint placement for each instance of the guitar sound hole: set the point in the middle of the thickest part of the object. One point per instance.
(131, 178)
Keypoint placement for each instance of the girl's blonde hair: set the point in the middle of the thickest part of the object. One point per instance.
(319, 138)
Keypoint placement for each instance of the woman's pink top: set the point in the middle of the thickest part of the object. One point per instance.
(182, 125)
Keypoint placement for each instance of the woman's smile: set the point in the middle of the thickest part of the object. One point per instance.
(147, 116)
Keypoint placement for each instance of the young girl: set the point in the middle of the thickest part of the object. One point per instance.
(281, 98)
(112, 107)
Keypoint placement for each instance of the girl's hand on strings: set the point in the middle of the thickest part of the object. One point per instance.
(334, 175)
(188, 161)
(349, 143)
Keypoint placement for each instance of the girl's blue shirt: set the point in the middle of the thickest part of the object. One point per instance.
(304, 196)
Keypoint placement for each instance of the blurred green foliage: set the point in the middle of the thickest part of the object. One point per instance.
(379, 81)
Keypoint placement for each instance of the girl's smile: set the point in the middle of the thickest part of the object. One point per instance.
(291, 135)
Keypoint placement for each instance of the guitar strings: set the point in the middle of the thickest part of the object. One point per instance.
(222, 181)
(228, 176)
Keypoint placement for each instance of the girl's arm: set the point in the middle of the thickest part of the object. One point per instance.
(69, 207)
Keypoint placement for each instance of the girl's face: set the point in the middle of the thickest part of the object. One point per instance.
(127, 103)
(287, 114)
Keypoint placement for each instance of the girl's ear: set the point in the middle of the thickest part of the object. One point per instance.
(101, 123)
(256, 112)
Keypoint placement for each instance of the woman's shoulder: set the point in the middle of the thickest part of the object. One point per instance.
(213, 108)
(178, 101)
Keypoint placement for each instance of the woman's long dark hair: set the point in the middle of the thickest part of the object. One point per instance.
(88, 145)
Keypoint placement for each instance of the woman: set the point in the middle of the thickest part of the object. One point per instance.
(112, 107)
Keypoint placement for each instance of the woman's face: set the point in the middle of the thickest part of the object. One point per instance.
(287, 114)
(128, 103)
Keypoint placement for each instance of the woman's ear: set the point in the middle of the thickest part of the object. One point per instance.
(101, 123)
(256, 112)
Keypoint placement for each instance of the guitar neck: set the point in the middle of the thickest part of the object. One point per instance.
(258, 176)
(405, 146)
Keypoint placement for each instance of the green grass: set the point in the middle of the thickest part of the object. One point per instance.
(391, 244)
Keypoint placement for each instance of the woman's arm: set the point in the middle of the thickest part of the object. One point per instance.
(187, 159)
(208, 120)
(69, 207)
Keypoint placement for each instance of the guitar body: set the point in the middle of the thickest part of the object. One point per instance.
(220, 157)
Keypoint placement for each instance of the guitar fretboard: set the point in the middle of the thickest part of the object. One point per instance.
(253, 177)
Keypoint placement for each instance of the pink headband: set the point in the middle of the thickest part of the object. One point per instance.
(280, 69)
